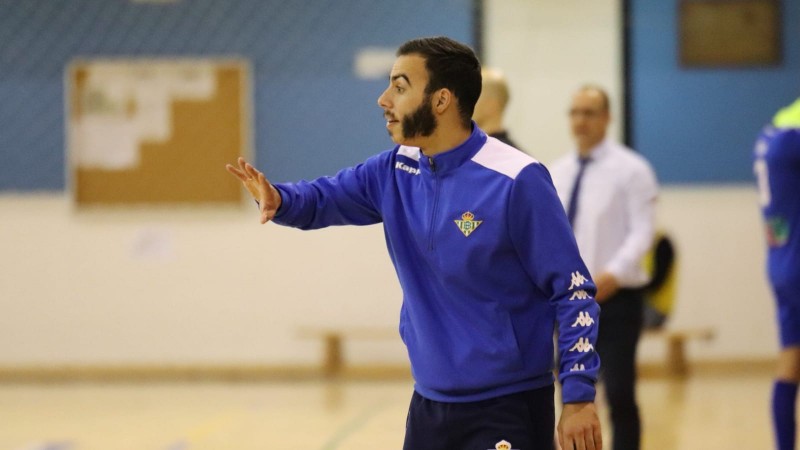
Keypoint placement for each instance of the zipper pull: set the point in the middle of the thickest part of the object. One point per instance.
(433, 164)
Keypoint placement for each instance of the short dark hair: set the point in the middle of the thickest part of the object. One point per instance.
(451, 65)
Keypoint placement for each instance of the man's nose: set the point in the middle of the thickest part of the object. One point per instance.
(383, 100)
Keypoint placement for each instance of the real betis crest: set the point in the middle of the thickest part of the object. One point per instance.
(466, 224)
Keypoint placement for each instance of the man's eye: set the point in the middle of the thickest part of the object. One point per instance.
(399, 89)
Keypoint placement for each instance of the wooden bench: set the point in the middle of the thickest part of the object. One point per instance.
(676, 363)
(333, 343)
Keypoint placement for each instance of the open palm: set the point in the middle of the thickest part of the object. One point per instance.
(264, 193)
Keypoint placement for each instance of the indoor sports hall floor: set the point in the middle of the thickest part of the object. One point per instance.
(708, 411)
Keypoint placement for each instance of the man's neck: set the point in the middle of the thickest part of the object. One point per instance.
(492, 126)
(585, 151)
(441, 142)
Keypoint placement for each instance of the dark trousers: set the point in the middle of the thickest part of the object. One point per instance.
(526, 420)
(620, 328)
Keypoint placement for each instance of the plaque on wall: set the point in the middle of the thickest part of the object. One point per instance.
(720, 33)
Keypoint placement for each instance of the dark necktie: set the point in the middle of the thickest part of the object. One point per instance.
(572, 207)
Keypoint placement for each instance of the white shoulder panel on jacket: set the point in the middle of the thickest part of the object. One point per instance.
(503, 158)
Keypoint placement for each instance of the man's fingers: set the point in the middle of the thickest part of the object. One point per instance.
(245, 172)
(236, 172)
(580, 443)
(258, 185)
(264, 189)
(251, 171)
(578, 440)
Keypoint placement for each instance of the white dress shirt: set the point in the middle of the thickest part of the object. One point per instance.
(615, 219)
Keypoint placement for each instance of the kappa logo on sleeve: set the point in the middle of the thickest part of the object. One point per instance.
(584, 320)
(583, 346)
(580, 295)
(578, 368)
(578, 280)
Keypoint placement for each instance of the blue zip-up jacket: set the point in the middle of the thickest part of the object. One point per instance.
(486, 260)
(777, 166)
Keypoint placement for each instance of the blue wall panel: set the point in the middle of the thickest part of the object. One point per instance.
(699, 125)
(312, 116)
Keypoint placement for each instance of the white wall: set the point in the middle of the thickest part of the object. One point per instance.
(186, 286)
(211, 286)
(721, 280)
(548, 49)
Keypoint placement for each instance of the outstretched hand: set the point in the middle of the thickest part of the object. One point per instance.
(579, 427)
(264, 193)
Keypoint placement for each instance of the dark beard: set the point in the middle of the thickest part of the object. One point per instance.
(421, 122)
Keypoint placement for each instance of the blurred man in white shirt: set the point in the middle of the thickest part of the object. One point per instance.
(609, 193)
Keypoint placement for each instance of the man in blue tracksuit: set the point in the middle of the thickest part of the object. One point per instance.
(777, 168)
(485, 257)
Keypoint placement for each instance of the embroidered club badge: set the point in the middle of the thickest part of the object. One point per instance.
(466, 224)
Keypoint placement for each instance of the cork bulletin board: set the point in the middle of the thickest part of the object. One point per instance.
(720, 33)
(156, 131)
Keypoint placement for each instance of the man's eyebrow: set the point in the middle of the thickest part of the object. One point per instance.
(403, 76)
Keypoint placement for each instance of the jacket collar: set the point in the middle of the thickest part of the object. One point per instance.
(455, 157)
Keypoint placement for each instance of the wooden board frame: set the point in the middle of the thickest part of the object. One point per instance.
(199, 133)
(729, 33)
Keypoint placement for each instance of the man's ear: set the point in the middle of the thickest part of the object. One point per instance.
(442, 99)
